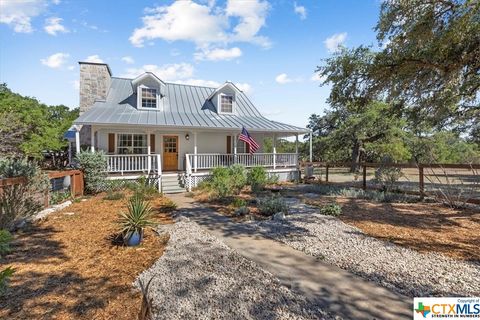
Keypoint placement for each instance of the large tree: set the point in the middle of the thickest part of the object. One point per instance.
(29, 127)
(430, 61)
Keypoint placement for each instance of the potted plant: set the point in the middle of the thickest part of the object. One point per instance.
(135, 220)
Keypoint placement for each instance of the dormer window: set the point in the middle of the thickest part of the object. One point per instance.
(226, 103)
(149, 98)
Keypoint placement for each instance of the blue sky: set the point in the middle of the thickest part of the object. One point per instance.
(268, 48)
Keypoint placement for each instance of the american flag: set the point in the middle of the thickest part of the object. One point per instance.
(245, 137)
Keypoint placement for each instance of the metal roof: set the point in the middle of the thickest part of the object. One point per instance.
(183, 106)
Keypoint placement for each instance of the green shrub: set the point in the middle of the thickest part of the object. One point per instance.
(115, 185)
(238, 202)
(169, 205)
(94, 167)
(145, 187)
(331, 209)
(387, 177)
(5, 239)
(5, 276)
(238, 177)
(257, 178)
(59, 196)
(270, 206)
(220, 182)
(137, 218)
(21, 200)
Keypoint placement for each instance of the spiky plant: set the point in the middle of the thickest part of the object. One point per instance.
(137, 217)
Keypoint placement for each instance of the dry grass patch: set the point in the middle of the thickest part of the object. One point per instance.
(68, 266)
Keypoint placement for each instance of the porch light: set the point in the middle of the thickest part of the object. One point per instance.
(187, 137)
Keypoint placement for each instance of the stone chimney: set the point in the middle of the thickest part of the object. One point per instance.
(94, 83)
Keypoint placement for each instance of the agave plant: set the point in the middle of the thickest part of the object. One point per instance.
(137, 218)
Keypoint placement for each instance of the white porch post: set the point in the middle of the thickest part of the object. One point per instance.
(92, 139)
(149, 158)
(310, 147)
(77, 141)
(274, 143)
(296, 149)
(194, 151)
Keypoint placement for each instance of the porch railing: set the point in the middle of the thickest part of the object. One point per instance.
(121, 163)
(204, 161)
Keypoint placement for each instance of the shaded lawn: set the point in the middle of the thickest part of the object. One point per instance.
(69, 268)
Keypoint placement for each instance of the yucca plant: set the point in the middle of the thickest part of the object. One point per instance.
(135, 220)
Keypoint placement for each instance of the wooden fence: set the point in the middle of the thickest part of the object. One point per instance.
(422, 169)
(76, 183)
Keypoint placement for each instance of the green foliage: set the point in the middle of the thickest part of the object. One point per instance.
(5, 276)
(145, 187)
(387, 176)
(168, 205)
(257, 178)
(21, 200)
(5, 239)
(270, 206)
(94, 167)
(430, 58)
(331, 209)
(238, 177)
(59, 196)
(137, 218)
(225, 182)
(238, 202)
(282, 146)
(27, 127)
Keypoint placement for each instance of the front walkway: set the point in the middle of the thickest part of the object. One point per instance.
(336, 290)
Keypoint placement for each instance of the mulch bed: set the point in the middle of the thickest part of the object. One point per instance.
(425, 227)
(69, 267)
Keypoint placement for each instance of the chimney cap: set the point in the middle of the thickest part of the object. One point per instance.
(97, 63)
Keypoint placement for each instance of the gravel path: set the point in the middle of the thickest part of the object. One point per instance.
(199, 277)
(404, 270)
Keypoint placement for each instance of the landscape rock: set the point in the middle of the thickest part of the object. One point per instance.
(279, 216)
(199, 277)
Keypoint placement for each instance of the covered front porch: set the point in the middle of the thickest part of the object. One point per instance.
(133, 151)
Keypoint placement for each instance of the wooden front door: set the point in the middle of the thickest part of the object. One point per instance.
(170, 153)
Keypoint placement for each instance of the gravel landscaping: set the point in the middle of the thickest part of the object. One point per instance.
(402, 269)
(199, 277)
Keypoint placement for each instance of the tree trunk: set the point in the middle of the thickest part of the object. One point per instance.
(356, 150)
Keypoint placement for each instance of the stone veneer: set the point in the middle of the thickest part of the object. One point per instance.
(94, 84)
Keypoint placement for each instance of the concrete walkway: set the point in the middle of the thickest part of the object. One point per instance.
(336, 290)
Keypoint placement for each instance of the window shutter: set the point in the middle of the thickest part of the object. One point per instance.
(152, 143)
(111, 143)
(229, 144)
(247, 148)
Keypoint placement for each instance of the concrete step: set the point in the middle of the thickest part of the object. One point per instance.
(173, 190)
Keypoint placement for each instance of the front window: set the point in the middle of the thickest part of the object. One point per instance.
(149, 98)
(226, 104)
(241, 147)
(132, 143)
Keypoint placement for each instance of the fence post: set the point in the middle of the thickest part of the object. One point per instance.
(326, 173)
(364, 177)
(421, 182)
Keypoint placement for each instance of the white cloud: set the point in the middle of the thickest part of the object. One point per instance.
(128, 60)
(283, 78)
(94, 58)
(54, 25)
(57, 2)
(55, 60)
(204, 24)
(199, 82)
(169, 72)
(252, 15)
(245, 87)
(332, 43)
(18, 14)
(218, 54)
(300, 10)
(72, 67)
